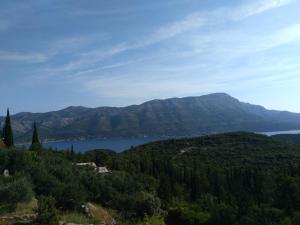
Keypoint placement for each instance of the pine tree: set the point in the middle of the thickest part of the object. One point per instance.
(8, 136)
(35, 144)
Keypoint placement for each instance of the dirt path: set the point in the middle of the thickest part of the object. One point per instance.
(101, 214)
(17, 218)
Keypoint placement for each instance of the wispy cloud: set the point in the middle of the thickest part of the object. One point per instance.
(191, 48)
(134, 88)
(210, 68)
(215, 45)
(75, 43)
(11, 13)
(191, 22)
(117, 11)
(21, 57)
(261, 6)
(147, 87)
(201, 19)
(224, 46)
(97, 12)
(85, 60)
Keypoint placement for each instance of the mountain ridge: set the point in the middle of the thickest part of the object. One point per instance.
(188, 116)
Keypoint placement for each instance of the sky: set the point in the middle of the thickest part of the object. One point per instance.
(58, 53)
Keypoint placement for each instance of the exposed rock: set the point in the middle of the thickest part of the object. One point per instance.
(6, 173)
(101, 214)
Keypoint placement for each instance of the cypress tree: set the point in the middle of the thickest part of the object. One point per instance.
(8, 136)
(35, 136)
(35, 144)
(72, 153)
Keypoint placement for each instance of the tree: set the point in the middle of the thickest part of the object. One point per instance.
(72, 153)
(8, 136)
(35, 144)
(72, 195)
(147, 204)
(46, 212)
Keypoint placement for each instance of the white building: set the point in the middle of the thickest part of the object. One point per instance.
(96, 168)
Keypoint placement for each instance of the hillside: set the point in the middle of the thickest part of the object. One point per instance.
(189, 116)
(290, 138)
(232, 178)
(239, 149)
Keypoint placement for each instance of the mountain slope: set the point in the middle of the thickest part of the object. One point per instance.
(171, 117)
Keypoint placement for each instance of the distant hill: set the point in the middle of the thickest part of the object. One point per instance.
(188, 116)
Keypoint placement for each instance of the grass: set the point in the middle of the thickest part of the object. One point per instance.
(27, 208)
(72, 217)
(20, 210)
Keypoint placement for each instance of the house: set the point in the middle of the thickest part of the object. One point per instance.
(100, 169)
(92, 164)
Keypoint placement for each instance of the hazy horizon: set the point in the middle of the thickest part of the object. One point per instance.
(55, 54)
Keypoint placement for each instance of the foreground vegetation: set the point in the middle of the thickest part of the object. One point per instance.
(228, 179)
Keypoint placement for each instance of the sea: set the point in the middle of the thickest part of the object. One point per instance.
(115, 144)
(120, 144)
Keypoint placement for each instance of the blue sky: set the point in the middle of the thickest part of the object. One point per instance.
(58, 53)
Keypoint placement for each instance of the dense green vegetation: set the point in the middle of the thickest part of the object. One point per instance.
(226, 179)
(290, 138)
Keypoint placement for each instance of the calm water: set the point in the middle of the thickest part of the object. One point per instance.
(121, 144)
(116, 144)
(281, 132)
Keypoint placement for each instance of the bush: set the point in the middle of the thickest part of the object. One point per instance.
(147, 204)
(46, 212)
(17, 190)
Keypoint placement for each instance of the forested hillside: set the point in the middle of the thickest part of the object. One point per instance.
(291, 138)
(226, 179)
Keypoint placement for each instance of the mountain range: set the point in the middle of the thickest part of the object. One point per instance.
(189, 116)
